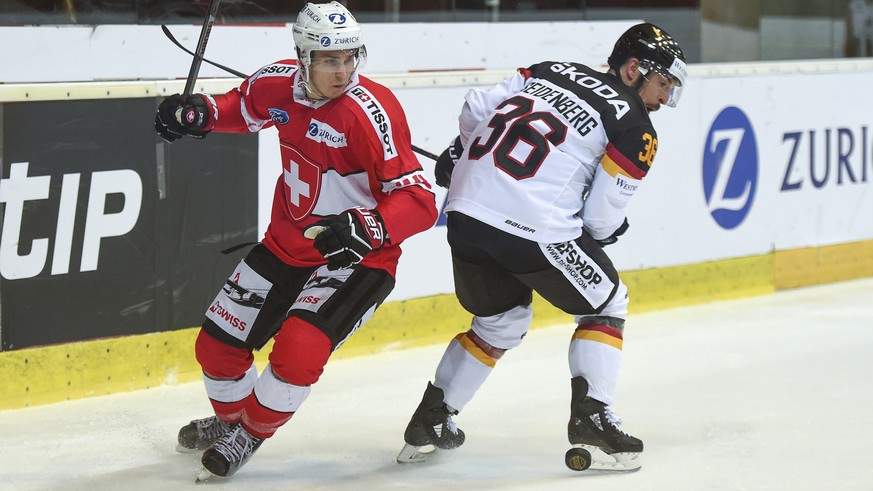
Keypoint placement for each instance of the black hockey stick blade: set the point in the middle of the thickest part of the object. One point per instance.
(424, 153)
(201, 48)
(217, 65)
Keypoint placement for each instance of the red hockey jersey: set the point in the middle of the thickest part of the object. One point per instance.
(354, 150)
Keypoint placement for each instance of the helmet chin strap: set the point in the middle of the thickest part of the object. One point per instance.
(307, 86)
(638, 85)
(311, 91)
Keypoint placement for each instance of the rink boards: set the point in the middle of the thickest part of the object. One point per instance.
(757, 187)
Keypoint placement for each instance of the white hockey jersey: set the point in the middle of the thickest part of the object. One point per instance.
(552, 149)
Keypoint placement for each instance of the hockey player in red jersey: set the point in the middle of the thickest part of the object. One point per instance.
(539, 182)
(350, 191)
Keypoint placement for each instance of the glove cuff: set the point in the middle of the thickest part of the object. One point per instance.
(456, 149)
(445, 163)
(372, 226)
(198, 114)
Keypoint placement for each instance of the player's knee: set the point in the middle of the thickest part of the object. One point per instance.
(220, 360)
(504, 330)
(617, 304)
(485, 346)
(300, 352)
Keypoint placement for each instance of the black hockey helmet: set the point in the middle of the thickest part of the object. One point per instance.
(656, 50)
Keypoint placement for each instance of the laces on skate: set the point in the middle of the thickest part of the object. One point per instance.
(613, 418)
(200, 434)
(229, 453)
(599, 442)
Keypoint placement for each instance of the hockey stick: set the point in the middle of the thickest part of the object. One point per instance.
(217, 65)
(201, 48)
(424, 153)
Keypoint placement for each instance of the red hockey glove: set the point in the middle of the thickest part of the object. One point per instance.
(177, 118)
(346, 238)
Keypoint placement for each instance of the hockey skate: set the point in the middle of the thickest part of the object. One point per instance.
(597, 439)
(431, 433)
(228, 453)
(200, 434)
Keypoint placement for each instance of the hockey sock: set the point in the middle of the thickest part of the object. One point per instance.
(595, 354)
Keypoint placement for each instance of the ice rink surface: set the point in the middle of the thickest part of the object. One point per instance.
(766, 393)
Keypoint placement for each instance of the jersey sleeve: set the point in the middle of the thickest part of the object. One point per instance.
(228, 116)
(407, 202)
(622, 168)
(244, 109)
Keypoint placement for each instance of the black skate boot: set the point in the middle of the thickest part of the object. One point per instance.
(229, 453)
(431, 425)
(200, 434)
(595, 430)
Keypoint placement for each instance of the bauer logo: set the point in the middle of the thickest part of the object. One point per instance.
(278, 116)
(730, 168)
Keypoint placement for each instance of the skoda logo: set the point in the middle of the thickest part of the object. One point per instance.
(730, 168)
(325, 41)
(337, 19)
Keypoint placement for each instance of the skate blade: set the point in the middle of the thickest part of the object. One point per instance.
(181, 449)
(414, 454)
(203, 475)
(617, 462)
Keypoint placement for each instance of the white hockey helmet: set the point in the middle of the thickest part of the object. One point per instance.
(327, 27)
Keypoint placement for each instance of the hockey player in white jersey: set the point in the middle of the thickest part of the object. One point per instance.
(540, 180)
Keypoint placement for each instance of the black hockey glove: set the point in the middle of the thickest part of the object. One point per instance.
(346, 238)
(177, 118)
(446, 163)
(612, 239)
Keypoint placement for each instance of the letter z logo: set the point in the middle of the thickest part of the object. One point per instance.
(730, 168)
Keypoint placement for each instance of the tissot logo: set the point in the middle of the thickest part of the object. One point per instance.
(730, 168)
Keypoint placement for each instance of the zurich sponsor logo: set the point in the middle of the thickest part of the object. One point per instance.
(730, 168)
(278, 116)
(326, 134)
(337, 19)
(325, 41)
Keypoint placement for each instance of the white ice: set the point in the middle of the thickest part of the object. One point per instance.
(765, 393)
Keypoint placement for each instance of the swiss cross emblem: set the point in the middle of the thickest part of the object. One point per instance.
(302, 179)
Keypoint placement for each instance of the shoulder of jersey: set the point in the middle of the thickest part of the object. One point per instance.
(593, 87)
(371, 97)
(281, 69)
(382, 93)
